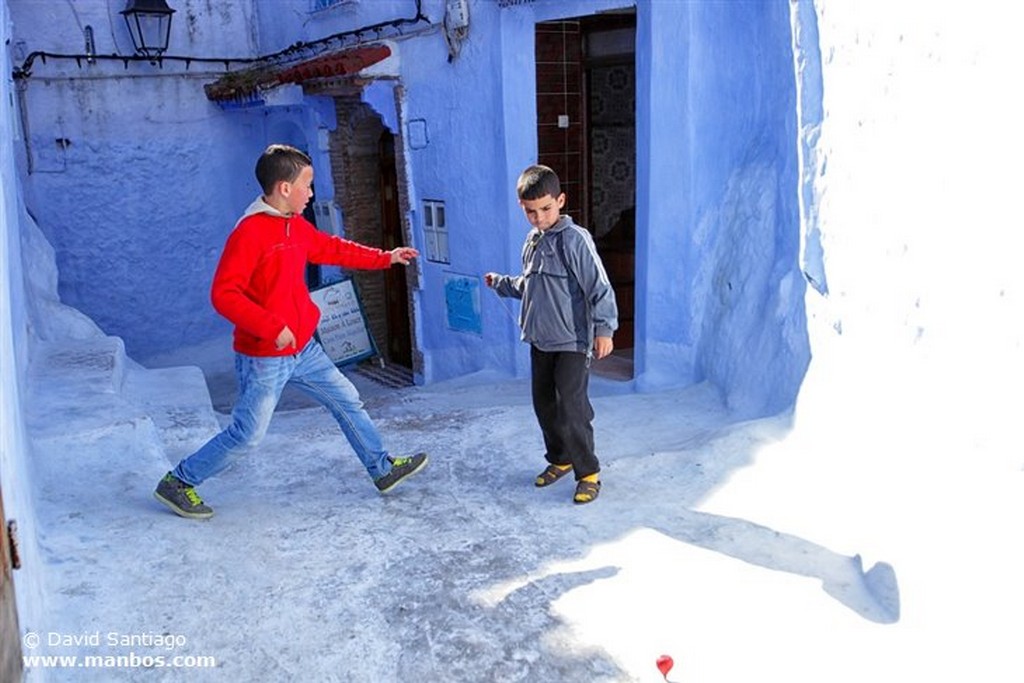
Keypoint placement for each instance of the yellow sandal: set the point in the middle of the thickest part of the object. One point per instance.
(551, 474)
(586, 490)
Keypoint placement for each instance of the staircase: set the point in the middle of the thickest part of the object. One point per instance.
(103, 430)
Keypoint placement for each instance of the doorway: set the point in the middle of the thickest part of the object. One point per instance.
(586, 132)
(365, 173)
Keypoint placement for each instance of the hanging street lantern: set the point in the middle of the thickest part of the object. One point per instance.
(149, 23)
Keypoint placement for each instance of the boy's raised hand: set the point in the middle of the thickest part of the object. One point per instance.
(403, 255)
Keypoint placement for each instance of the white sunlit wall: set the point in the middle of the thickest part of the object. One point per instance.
(15, 471)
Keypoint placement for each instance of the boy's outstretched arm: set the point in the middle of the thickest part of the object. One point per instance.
(505, 285)
(403, 255)
(330, 250)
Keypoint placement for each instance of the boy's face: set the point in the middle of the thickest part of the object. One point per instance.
(544, 212)
(297, 193)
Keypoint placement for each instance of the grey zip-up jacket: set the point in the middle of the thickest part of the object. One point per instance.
(567, 298)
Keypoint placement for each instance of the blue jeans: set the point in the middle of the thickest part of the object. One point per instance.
(260, 383)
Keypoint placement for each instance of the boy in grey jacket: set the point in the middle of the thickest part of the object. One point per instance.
(568, 315)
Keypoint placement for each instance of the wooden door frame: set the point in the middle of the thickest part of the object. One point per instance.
(11, 665)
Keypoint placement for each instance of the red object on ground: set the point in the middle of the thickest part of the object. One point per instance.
(665, 665)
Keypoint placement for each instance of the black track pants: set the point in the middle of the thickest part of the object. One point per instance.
(563, 409)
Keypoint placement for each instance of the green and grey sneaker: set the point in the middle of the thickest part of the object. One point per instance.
(401, 469)
(181, 498)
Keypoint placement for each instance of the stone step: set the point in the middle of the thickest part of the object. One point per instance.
(96, 365)
(85, 390)
(75, 388)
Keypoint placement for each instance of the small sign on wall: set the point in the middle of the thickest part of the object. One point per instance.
(343, 330)
(462, 301)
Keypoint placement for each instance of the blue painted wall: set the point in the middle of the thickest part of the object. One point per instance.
(140, 195)
(747, 303)
(152, 175)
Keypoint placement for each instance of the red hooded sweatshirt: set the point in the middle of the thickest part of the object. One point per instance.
(260, 283)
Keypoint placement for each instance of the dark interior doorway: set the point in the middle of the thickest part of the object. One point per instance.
(586, 132)
(396, 290)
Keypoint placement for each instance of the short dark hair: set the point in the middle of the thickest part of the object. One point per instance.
(537, 181)
(280, 163)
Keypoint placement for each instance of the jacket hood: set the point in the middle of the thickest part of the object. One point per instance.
(258, 205)
(564, 221)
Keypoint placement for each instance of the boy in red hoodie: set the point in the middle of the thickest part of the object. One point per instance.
(260, 287)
